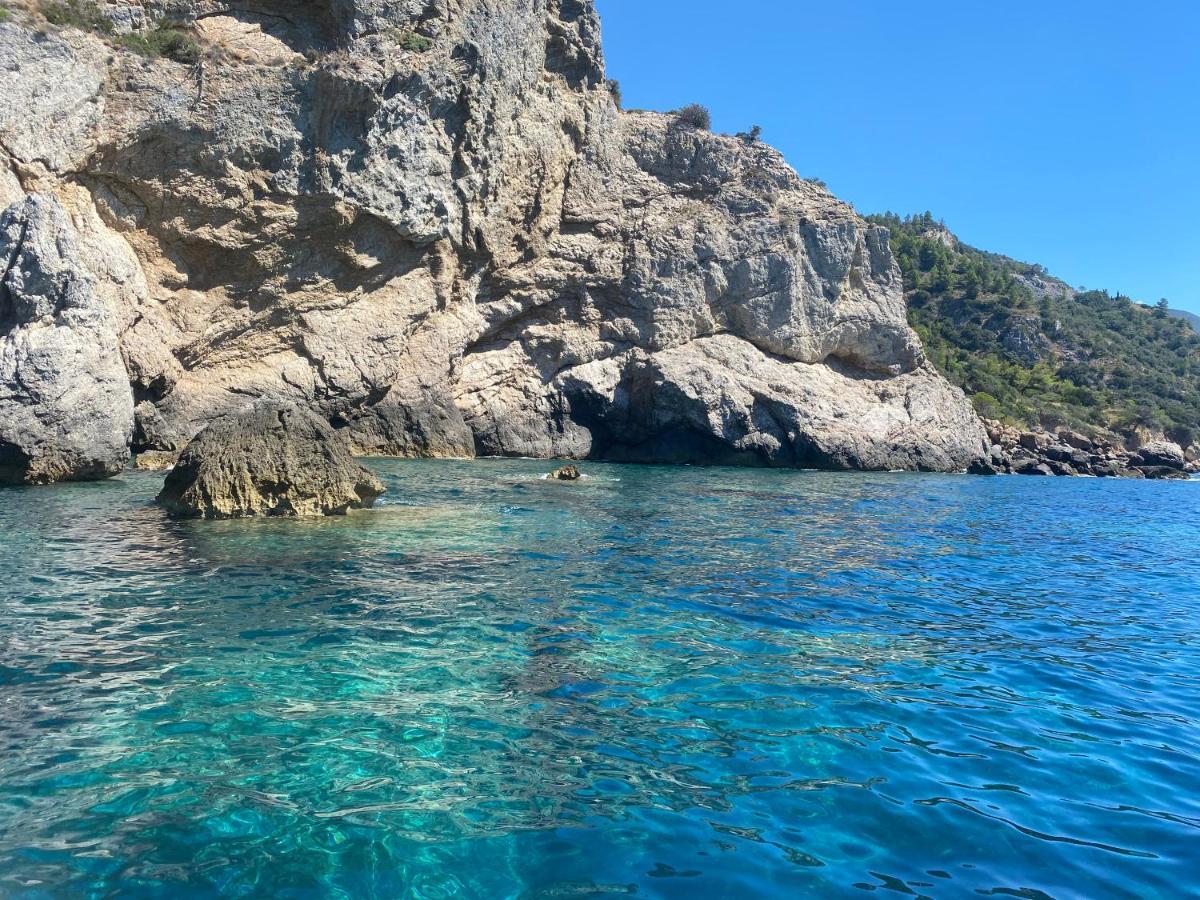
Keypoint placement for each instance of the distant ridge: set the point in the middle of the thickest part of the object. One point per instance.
(1190, 317)
(1032, 351)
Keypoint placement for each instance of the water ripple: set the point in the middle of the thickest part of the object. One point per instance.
(668, 682)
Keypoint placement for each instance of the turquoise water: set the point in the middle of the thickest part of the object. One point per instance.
(659, 682)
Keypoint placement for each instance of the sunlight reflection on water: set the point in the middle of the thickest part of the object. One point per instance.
(664, 681)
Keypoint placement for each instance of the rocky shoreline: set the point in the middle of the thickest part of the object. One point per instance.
(433, 226)
(1064, 452)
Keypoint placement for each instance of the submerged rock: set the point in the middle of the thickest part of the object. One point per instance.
(566, 473)
(273, 459)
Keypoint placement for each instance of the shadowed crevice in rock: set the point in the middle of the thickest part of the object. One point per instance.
(14, 463)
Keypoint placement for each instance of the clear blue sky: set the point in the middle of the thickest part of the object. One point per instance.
(1062, 132)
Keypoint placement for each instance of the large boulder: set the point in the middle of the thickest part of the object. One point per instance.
(272, 459)
(66, 409)
(1162, 453)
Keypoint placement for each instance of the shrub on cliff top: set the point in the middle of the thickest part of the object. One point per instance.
(614, 88)
(83, 14)
(694, 116)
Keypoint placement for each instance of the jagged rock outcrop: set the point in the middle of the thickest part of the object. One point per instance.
(66, 411)
(1161, 453)
(430, 222)
(272, 459)
(1067, 452)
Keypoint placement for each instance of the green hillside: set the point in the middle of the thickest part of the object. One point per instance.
(1030, 350)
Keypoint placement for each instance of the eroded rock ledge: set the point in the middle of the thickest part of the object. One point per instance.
(430, 223)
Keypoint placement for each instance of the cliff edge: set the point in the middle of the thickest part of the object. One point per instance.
(429, 221)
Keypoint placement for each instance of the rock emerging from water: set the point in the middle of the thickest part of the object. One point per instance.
(66, 408)
(273, 459)
(566, 473)
(1162, 453)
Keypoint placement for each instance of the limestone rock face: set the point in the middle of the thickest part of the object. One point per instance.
(50, 100)
(272, 459)
(428, 221)
(428, 425)
(66, 411)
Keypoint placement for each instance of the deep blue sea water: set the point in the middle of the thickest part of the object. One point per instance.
(659, 683)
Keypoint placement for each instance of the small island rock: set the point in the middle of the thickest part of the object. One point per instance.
(566, 473)
(272, 459)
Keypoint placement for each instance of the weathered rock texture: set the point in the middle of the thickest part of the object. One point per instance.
(465, 248)
(66, 411)
(1066, 452)
(272, 459)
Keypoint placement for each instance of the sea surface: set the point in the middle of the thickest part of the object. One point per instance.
(658, 682)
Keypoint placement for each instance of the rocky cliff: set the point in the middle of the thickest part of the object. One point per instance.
(429, 221)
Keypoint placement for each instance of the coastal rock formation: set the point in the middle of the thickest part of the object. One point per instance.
(430, 222)
(66, 410)
(427, 427)
(1161, 453)
(1066, 452)
(272, 459)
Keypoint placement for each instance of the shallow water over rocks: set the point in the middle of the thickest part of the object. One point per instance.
(659, 682)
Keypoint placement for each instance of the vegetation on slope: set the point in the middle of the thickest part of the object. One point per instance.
(83, 14)
(1031, 351)
(160, 41)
